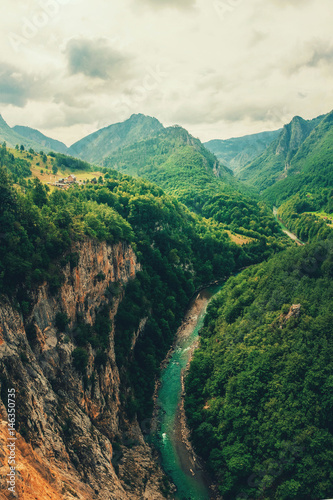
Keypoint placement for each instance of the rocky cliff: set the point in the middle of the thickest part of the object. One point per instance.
(274, 163)
(74, 440)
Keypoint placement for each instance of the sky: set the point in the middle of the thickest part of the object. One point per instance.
(219, 68)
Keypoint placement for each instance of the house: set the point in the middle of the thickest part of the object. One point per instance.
(60, 185)
(71, 179)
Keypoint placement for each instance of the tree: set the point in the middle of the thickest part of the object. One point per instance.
(3, 151)
(22, 148)
(54, 169)
(80, 359)
(39, 194)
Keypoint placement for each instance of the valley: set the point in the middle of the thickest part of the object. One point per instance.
(100, 280)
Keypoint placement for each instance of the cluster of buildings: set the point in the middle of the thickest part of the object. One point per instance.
(68, 182)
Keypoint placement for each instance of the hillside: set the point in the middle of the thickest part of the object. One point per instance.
(259, 390)
(237, 152)
(304, 196)
(94, 283)
(310, 169)
(12, 138)
(183, 167)
(29, 138)
(97, 146)
(274, 163)
(46, 143)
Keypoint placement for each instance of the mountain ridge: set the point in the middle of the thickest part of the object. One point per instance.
(45, 141)
(236, 152)
(274, 162)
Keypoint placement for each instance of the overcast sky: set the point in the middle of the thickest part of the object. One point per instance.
(220, 68)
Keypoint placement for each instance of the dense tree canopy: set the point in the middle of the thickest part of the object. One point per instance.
(259, 390)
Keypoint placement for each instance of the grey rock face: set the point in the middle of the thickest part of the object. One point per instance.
(73, 434)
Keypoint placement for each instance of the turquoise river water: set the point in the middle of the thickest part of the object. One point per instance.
(187, 475)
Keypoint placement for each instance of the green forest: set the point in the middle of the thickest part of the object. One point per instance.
(259, 390)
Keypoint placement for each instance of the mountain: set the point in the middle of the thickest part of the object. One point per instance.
(184, 168)
(235, 153)
(11, 137)
(273, 164)
(29, 137)
(97, 146)
(304, 195)
(310, 168)
(46, 143)
(154, 158)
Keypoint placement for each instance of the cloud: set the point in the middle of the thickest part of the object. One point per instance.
(96, 59)
(17, 86)
(311, 55)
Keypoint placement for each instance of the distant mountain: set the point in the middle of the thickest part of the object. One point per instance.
(45, 142)
(235, 153)
(273, 164)
(11, 137)
(97, 146)
(30, 138)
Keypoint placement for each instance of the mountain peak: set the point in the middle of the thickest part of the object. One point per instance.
(100, 144)
(3, 121)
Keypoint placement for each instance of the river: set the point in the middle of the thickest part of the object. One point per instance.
(178, 458)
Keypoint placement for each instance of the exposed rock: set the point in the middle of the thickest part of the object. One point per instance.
(294, 312)
(69, 424)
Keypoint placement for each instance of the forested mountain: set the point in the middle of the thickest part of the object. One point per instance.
(310, 169)
(45, 143)
(97, 146)
(305, 195)
(259, 391)
(274, 163)
(235, 153)
(183, 167)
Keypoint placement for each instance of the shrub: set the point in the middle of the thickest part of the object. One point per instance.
(80, 360)
(61, 321)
